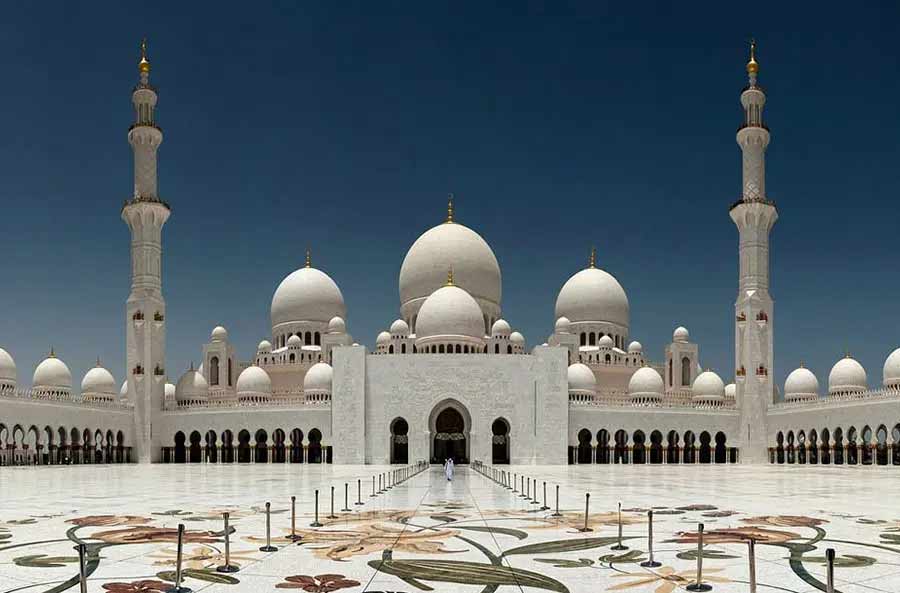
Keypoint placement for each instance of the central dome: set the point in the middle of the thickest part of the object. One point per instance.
(307, 294)
(450, 311)
(444, 247)
(593, 295)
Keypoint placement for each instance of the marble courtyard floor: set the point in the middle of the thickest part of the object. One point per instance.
(469, 535)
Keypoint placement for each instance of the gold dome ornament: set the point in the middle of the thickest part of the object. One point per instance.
(752, 65)
(449, 209)
(449, 277)
(144, 64)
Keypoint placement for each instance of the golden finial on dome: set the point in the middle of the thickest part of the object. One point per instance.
(752, 65)
(98, 361)
(308, 258)
(801, 365)
(449, 208)
(449, 277)
(144, 64)
(593, 261)
(52, 353)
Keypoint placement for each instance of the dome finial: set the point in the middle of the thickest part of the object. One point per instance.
(308, 258)
(593, 262)
(752, 65)
(449, 208)
(144, 64)
(52, 353)
(98, 361)
(450, 277)
(801, 364)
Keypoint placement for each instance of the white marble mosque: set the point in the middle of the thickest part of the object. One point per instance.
(450, 377)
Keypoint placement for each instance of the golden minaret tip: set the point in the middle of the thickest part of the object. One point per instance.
(449, 208)
(144, 64)
(593, 261)
(752, 65)
(450, 277)
(308, 258)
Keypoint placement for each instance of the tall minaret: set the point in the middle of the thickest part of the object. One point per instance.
(755, 215)
(145, 214)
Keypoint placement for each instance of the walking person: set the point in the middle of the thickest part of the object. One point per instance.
(448, 469)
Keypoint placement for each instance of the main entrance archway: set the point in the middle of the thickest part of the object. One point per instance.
(449, 427)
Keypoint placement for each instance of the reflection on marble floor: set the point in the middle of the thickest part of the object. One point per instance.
(466, 535)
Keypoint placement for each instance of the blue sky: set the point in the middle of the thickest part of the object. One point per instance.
(557, 125)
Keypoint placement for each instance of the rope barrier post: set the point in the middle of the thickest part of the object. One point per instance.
(293, 536)
(332, 515)
(268, 547)
(359, 501)
(316, 523)
(650, 563)
(544, 506)
(587, 504)
(514, 483)
(557, 513)
(699, 585)
(522, 487)
(346, 508)
(178, 557)
(82, 567)
(751, 557)
(829, 558)
(373, 488)
(619, 545)
(535, 498)
(228, 566)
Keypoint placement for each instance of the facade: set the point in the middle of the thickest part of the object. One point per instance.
(450, 377)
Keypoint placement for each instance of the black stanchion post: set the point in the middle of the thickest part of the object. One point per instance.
(268, 547)
(587, 504)
(650, 562)
(228, 566)
(514, 483)
(178, 556)
(332, 515)
(373, 487)
(829, 558)
(534, 499)
(544, 506)
(699, 585)
(316, 523)
(619, 545)
(557, 513)
(751, 557)
(359, 501)
(293, 536)
(82, 567)
(522, 487)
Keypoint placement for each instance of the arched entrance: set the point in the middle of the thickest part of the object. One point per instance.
(195, 453)
(500, 441)
(399, 441)
(449, 427)
(180, 456)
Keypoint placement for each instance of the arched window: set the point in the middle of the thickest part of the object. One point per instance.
(308, 339)
(670, 371)
(229, 372)
(583, 339)
(317, 339)
(292, 357)
(441, 349)
(214, 370)
(496, 348)
(685, 371)
(509, 349)
(607, 358)
(402, 348)
(391, 349)
(592, 339)
(458, 349)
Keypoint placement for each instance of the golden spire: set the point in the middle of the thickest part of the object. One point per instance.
(752, 65)
(308, 258)
(801, 365)
(52, 353)
(449, 277)
(449, 208)
(144, 64)
(593, 262)
(98, 361)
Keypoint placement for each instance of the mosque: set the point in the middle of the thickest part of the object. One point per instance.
(450, 377)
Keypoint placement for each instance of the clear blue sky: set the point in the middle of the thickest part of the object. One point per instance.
(342, 126)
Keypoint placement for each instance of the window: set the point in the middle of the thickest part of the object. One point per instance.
(592, 339)
(229, 372)
(317, 339)
(308, 339)
(583, 339)
(214, 370)
(509, 349)
(402, 348)
(685, 371)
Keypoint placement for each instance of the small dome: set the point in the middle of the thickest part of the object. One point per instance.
(192, 387)
(8, 367)
(294, 341)
(646, 383)
(254, 381)
(264, 347)
(847, 375)
(635, 348)
(730, 391)
(605, 342)
(52, 373)
(562, 325)
(383, 338)
(681, 335)
(801, 384)
(517, 338)
(593, 295)
(892, 369)
(169, 390)
(400, 328)
(450, 311)
(708, 385)
(500, 329)
(218, 334)
(581, 379)
(318, 378)
(307, 294)
(337, 325)
(98, 381)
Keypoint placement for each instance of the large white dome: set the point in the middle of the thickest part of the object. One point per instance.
(847, 375)
(581, 378)
(450, 311)
(801, 384)
(444, 247)
(593, 295)
(7, 367)
(318, 378)
(52, 373)
(646, 383)
(307, 294)
(254, 380)
(892, 369)
(192, 386)
(708, 385)
(100, 381)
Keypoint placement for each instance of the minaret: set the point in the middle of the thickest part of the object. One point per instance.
(755, 215)
(145, 214)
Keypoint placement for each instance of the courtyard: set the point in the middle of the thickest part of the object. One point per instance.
(471, 534)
